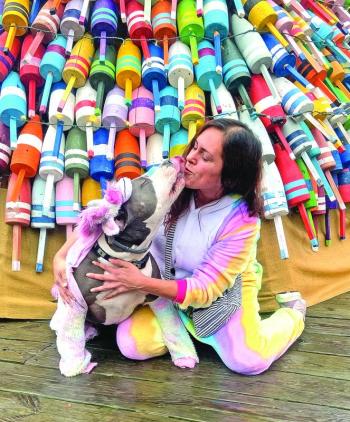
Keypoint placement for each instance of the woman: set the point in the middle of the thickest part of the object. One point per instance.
(213, 251)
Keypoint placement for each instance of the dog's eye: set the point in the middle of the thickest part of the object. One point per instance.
(122, 215)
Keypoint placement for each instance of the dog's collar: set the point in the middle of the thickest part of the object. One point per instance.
(131, 250)
(140, 264)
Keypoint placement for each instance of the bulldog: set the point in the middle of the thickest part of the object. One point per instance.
(122, 226)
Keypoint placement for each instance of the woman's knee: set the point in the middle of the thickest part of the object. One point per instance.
(125, 342)
(255, 367)
(139, 337)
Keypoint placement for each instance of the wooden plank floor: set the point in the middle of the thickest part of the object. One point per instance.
(311, 382)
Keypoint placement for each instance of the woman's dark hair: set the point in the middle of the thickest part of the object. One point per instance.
(242, 166)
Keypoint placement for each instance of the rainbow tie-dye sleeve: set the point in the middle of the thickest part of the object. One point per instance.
(232, 252)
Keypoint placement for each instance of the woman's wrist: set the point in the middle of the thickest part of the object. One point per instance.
(164, 288)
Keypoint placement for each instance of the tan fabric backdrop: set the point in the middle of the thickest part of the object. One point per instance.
(319, 276)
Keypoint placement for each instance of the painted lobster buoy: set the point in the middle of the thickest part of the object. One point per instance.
(70, 25)
(128, 68)
(85, 106)
(180, 73)
(114, 117)
(17, 214)
(51, 166)
(127, 155)
(64, 199)
(275, 204)
(76, 161)
(41, 221)
(51, 68)
(141, 118)
(168, 119)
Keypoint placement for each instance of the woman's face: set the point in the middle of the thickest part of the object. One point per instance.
(204, 162)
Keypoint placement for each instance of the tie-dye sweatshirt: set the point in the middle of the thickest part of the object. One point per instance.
(212, 245)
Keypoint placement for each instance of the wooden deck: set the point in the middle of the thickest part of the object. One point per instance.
(309, 383)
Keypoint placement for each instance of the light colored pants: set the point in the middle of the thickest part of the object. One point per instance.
(246, 344)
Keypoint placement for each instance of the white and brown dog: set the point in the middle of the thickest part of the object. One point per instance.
(122, 226)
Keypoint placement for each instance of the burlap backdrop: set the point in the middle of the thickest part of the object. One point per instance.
(319, 276)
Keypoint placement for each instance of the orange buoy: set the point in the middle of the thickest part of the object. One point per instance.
(26, 157)
(127, 155)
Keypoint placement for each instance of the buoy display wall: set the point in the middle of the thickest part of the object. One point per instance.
(95, 90)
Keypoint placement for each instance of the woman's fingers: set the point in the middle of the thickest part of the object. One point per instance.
(115, 292)
(106, 276)
(120, 263)
(107, 285)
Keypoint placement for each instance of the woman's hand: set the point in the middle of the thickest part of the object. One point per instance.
(59, 272)
(119, 276)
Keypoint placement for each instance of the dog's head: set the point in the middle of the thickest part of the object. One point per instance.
(132, 211)
(152, 196)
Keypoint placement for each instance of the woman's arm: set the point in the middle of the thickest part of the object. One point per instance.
(122, 276)
(229, 256)
(59, 268)
(62, 252)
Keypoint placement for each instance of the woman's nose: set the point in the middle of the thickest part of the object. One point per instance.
(191, 157)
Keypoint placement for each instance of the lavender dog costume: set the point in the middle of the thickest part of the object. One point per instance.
(70, 320)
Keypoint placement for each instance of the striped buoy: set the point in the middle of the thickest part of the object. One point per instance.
(8, 60)
(101, 168)
(141, 118)
(104, 24)
(127, 156)
(26, 157)
(190, 26)
(70, 25)
(64, 200)
(206, 75)
(164, 26)
(14, 20)
(153, 73)
(51, 166)
(102, 75)
(76, 161)
(51, 68)
(85, 117)
(295, 188)
(77, 67)
(44, 28)
(41, 221)
(114, 117)
(275, 203)
(5, 150)
(154, 150)
(128, 68)
(178, 143)
(193, 114)
(139, 29)
(13, 105)
(168, 119)
(30, 74)
(62, 121)
(17, 214)
(180, 72)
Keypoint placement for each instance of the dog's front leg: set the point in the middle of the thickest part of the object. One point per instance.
(69, 324)
(175, 335)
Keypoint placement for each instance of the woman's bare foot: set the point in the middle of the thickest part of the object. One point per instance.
(292, 300)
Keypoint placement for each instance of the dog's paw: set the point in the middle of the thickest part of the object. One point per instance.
(185, 362)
